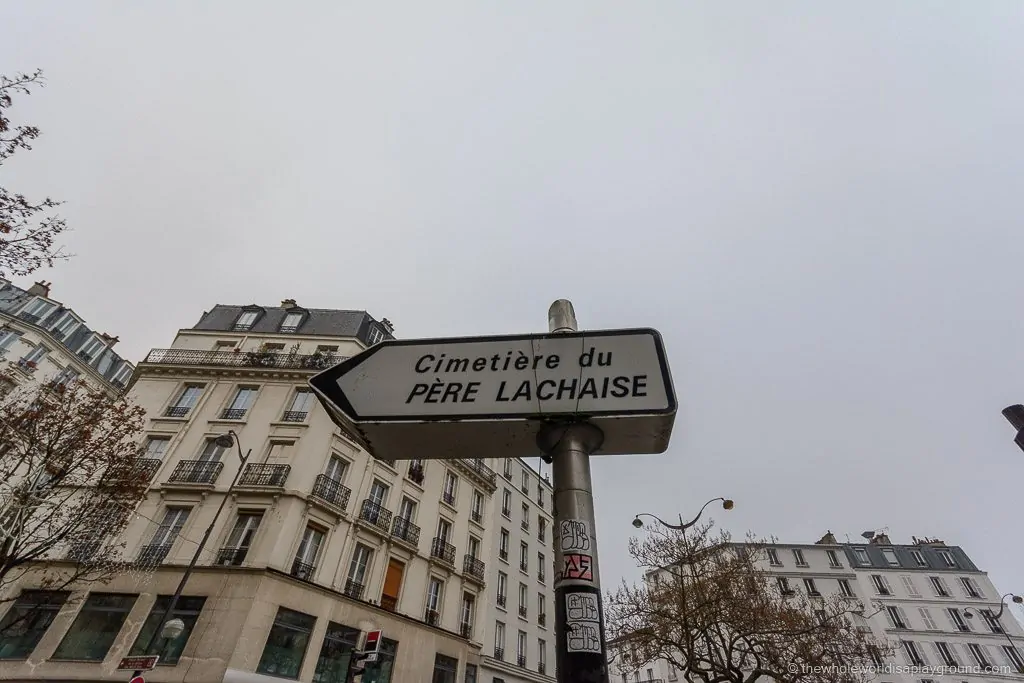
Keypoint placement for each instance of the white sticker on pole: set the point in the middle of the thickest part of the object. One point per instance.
(582, 623)
(576, 544)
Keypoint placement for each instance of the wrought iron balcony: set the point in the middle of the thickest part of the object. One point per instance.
(503, 554)
(148, 466)
(508, 475)
(260, 474)
(524, 567)
(288, 329)
(540, 669)
(525, 488)
(259, 359)
(473, 568)
(177, 411)
(476, 516)
(331, 491)
(82, 551)
(404, 530)
(28, 366)
(501, 600)
(431, 616)
(416, 474)
(141, 468)
(196, 472)
(507, 512)
(232, 413)
(521, 660)
(442, 550)
(499, 653)
(153, 554)
(294, 416)
(29, 318)
(448, 497)
(525, 524)
(302, 570)
(231, 556)
(377, 516)
(540, 575)
(522, 611)
(542, 619)
(388, 602)
(353, 589)
(466, 630)
(478, 471)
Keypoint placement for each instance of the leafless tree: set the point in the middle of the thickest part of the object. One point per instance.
(71, 477)
(28, 229)
(710, 609)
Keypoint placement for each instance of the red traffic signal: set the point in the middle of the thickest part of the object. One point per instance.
(372, 645)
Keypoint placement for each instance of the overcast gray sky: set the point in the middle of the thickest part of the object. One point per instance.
(817, 203)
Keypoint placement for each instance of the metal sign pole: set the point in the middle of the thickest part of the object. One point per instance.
(579, 620)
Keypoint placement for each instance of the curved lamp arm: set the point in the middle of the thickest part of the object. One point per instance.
(727, 504)
(1002, 603)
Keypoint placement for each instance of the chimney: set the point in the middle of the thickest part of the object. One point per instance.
(827, 539)
(288, 304)
(108, 340)
(41, 288)
(387, 325)
(881, 539)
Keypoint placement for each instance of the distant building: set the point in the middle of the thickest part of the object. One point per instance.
(317, 537)
(937, 608)
(41, 338)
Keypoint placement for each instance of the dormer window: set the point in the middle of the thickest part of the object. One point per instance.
(374, 336)
(291, 322)
(36, 310)
(120, 377)
(65, 326)
(246, 320)
(90, 349)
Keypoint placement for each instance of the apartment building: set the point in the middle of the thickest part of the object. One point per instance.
(316, 541)
(929, 601)
(519, 616)
(42, 339)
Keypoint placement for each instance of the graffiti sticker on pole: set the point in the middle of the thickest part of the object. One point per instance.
(574, 535)
(579, 567)
(583, 626)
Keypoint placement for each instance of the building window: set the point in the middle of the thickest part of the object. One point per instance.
(881, 584)
(526, 481)
(926, 617)
(991, 621)
(187, 609)
(979, 655)
(784, 585)
(336, 469)
(120, 377)
(844, 588)
(26, 622)
(66, 376)
(379, 493)
(798, 556)
(540, 495)
(508, 469)
(64, 326)
(477, 511)
(939, 586)
(445, 669)
(90, 348)
(890, 557)
(240, 539)
(1013, 657)
(407, 509)
(33, 357)
(451, 483)
(156, 446)
(335, 653)
(542, 655)
(245, 320)
(957, 619)
(521, 649)
(242, 401)
(862, 556)
(833, 559)
(540, 567)
(502, 588)
(524, 557)
(470, 673)
(362, 558)
(95, 628)
(374, 335)
(506, 503)
(499, 641)
(896, 617)
(291, 322)
(946, 653)
(286, 644)
(523, 598)
(525, 524)
(913, 653)
(298, 410)
(7, 338)
(164, 537)
(37, 309)
(542, 610)
(186, 401)
(466, 618)
(444, 530)
(773, 557)
(970, 587)
(810, 587)
(308, 552)
(919, 558)
(503, 545)
(908, 584)
(211, 451)
(541, 526)
(435, 593)
(947, 558)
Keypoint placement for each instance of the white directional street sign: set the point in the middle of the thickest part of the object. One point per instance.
(477, 397)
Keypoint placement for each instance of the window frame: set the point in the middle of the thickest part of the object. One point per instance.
(84, 623)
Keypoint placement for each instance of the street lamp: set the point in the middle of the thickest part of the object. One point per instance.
(173, 628)
(995, 617)
(1015, 416)
(727, 504)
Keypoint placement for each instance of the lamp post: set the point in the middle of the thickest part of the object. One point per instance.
(727, 504)
(1002, 607)
(1015, 416)
(172, 628)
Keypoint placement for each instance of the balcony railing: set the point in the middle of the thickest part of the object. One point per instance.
(143, 468)
(476, 516)
(260, 474)
(476, 469)
(466, 630)
(288, 329)
(521, 660)
(442, 550)
(196, 472)
(29, 318)
(303, 570)
(331, 491)
(388, 602)
(376, 515)
(448, 497)
(503, 554)
(153, 554)
(473, 568)
(540, 669)
(501, 600)
(177, 411)
(406, 531)
(259, 359)
(416, 474)
(540, 576)
(232, 413)
(353, 589)
(499, 653)
(28, 366)
(231, 556)
(294, 416)
(525, 525)
(431, 616)
(522, 611)
(524, 567)
(542, 619)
